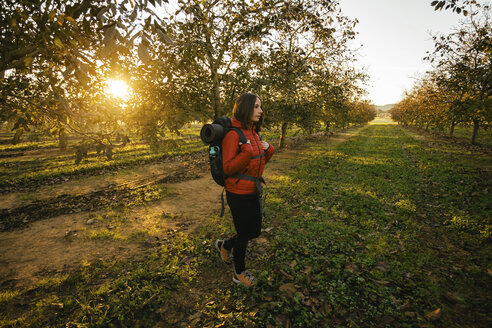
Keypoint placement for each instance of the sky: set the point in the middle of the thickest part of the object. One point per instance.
(395, 36)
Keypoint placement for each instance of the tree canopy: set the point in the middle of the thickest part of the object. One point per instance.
(459, 89)
(183, 63)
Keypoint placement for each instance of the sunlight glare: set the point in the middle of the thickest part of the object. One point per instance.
(117, 88)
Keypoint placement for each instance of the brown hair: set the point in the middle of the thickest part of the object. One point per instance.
(243, 109)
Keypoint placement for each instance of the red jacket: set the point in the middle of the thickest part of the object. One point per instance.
(235, 161)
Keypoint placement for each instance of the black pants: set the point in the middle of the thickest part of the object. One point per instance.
(246, 215)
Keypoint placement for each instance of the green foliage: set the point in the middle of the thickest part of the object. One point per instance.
(302, 82)
(54, 73)
(457, 6)
(458, 89)
(50, 60)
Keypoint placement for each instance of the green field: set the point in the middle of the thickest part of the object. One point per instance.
(387, 229)
(22, 169)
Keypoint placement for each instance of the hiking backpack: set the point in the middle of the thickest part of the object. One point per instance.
(212, 136)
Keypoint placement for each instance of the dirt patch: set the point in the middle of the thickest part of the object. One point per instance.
(100, 181)
(51, 246)
(55, 244)
(111, 196)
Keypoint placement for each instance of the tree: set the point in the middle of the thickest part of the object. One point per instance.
(215, 37)
(465, 62)
(51, 53)
(310, 40)
(457, 6)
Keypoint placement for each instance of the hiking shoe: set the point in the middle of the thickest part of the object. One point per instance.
(245, 278)
(224, 254)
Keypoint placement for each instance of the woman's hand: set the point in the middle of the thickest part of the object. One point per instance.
(264, 145)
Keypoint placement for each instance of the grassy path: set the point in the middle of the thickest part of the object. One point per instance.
(385, 229)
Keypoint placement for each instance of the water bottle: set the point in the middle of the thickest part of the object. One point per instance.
(213, 152)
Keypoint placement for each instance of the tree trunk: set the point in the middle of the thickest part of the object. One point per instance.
(62, 139)
(327, 128)
(216, 94)
(283, 135)
(17, 137)
(475, 131)
(451, 131)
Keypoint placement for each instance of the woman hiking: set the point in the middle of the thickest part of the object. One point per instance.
(243, 163)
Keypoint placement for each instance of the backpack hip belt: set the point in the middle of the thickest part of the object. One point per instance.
(262, 191)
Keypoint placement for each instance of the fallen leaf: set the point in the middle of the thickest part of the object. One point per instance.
(451, 297)
(262, 241)
(386, 320)
(293, 264)
(405, 306)
(382, 266)
(289, 288)
(410, 314)
(286, 274)
(434, 315)
(394, 300)
(351, 267)
(380, 282)
(194, 319)
(282, 320)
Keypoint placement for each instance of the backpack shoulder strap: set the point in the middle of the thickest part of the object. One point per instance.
(242, 137)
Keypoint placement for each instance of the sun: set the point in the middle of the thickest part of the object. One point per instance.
(117, 88)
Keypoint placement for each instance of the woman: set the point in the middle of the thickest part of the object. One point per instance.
(243, 163)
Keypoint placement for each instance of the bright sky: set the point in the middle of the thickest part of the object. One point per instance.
(395, 37)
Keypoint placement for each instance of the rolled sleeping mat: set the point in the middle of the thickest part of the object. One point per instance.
(211, 133)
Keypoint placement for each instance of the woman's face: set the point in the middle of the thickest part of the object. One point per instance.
(257, 111)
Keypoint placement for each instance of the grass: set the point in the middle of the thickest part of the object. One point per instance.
(105, 293)
(29, 170)
(463, 134)
(17, 172)
(371, 211)
(384, 230)
(363, 235)
(28, 145)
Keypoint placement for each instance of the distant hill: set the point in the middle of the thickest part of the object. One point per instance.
(385, 108)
